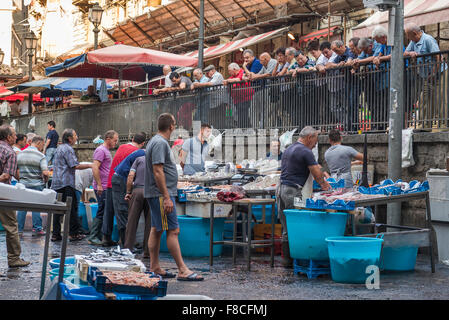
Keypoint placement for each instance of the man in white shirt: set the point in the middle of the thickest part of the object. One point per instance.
(24, 106)
(215, 77)
(167, 70)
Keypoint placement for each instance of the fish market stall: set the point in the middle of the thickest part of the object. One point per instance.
(398, 250)
(52, 208)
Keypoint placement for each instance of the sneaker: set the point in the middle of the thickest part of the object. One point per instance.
(95, 242)
(38, 233)
(18, 263)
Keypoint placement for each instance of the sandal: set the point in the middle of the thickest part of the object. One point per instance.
(191, 277)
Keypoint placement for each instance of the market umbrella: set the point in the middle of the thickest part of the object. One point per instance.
(5, 92)
(77, 84)
(21, 97)
(120, 62)
(37, 85)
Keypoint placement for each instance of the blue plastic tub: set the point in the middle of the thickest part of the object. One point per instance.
(69, 261)
(257, 212)
(350, 256)
(399, 259)
(194, 236)
(82, 215)
(94, 209)
(69, 271)
(307, 231)
(85, 293)
(164, 242)
(1, 227)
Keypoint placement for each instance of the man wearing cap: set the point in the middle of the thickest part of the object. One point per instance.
(215, 77)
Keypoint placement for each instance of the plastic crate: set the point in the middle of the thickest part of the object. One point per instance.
(312, 268)
(101, 284)
(85, 293)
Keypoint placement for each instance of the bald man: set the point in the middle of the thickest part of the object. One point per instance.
(167, 70)
(268, 65)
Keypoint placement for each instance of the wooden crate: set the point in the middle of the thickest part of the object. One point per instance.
(260, 230)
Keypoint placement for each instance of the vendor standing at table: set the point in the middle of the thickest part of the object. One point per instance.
(339, 159)
(194, 151)
(298, 168)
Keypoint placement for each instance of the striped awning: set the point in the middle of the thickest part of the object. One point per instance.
(421, 12)
(318, 34)
(124, 84)
(222, 49)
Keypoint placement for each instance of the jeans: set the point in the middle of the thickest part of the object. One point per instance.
(108, 214)
(49, 154)
(74, 224)
(36, 216)
(119, 202)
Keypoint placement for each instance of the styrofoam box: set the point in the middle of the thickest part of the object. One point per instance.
(20, 193)
(438, 187)
(202, 209)
(357, 173)
(82, 266)
(180, 208)
(442, 232)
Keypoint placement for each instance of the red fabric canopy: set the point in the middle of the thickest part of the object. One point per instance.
(21, 97)
(134, 62)
(127, 55)
(317, 34)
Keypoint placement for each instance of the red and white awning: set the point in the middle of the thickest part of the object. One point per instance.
(421, 12)
(318, 34)
(225, 48)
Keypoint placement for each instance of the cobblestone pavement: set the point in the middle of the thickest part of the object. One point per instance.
(228, 282)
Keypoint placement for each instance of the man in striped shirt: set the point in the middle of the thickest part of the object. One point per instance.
(33, 172)
(8, 168)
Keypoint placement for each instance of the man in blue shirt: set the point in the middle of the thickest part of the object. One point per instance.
(119, 190)
(342, 111)
(429, 75)
(251, 64)
(199, 77)
(52, 142)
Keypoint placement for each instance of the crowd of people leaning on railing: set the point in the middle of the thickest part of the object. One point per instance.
(291, 61)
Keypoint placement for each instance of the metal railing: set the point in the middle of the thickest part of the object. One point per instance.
(351, 100)
(340, 98)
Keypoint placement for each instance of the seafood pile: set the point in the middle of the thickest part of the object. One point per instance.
(184, 184)
(269, 182)
(263, 165)
(206, 176)
(341, 194)
(131, 278)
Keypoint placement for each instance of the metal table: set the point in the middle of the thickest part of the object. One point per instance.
(249, 244)
(421, 237)
(59, 208)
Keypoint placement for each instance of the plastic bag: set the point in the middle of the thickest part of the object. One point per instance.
(32, 123)
(407, 148)
(215, 144)
(98, 140)
(286, 139)
(13, 124)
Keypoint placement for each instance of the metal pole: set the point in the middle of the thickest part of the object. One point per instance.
(329, 20)
(396, 107)
(96, 30)
(201, 36)
(30, 78)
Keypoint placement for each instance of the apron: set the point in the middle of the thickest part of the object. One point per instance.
(346, 176)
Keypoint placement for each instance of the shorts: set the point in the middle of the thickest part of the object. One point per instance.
(159, 219)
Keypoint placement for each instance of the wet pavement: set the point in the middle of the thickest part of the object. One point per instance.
(223, 281)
